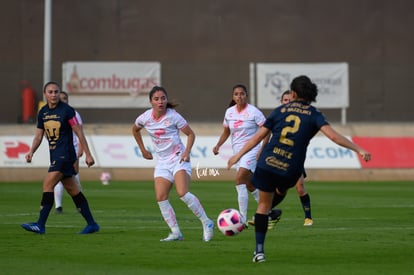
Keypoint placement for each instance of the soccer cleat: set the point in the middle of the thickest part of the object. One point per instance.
(34, 227)
(59, 210)
(173, 237)
(259, 257)
(308, 222)
(208, 230)
(274, 218)
(90, 228)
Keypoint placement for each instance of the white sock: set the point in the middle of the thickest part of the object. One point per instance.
(77, 180)
(168, 214)
(194, 204)
(255, 195)
(58, 193)
(243, 199)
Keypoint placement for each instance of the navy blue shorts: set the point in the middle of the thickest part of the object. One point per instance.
(268, 182)
(65, 167)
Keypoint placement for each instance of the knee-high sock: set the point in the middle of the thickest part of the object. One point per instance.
(277, 199)
(243, 199)
(58, 192)
(195, 206)
(167, 212)
(77, 180)
(255, 195)
(260, 226)
(306, 206)
(45, 206)
(83, 207)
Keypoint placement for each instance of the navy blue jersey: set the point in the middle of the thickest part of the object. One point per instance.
(58, 130)
(292, 125)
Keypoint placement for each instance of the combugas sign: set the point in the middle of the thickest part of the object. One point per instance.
(110, 84)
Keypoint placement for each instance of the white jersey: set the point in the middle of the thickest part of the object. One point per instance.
(164, 133)
(75, 137)
(243, 125)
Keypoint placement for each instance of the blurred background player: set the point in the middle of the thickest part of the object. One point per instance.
(241, 122)
(173, 165)
(58, 190)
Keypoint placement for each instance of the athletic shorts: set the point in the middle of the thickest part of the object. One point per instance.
(247, 161)
(167, 171)
(65, 167)
(268, 182)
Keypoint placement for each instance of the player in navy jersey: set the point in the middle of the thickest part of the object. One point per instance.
(56, 120)
(281, 163)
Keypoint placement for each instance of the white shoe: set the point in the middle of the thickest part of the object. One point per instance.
(173, 237)
(208, 230)
(259, 258)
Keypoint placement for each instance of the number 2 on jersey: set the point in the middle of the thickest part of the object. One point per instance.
(289, 130)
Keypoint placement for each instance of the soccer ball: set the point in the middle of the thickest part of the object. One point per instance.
(105, 178)
(230, 222)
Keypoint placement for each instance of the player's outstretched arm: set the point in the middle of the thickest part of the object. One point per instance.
(341, 140)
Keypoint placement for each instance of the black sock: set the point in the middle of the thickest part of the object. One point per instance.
(260, 226)
(277, 199)
(306, 205)
(45, 206)
(83, 207)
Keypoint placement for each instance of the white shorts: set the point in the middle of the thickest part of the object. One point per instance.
(168, 170)
(248, 161)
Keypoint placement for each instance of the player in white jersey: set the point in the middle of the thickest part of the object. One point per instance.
(241, 122)
(58, 190)
(173, 165)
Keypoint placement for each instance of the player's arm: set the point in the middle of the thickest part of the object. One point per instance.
(37, 140)
(259, 136)
(136, 132)
(223, 137)
(341, 140)
(190, 142)
(83, 142)
(80, 149)
(264, 142)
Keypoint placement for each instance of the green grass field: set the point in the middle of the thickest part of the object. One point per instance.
(359, 228)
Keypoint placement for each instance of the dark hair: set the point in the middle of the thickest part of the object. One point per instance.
(241, 86)
(65, 93)
(49, 83)
(285, 93)
(162, 89)
(304, 88)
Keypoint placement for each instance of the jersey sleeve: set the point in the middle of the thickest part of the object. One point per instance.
(79, 118)
(259, 117)
(141, 120)
(180, 121)
(225, 120)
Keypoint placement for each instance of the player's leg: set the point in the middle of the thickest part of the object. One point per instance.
(305, 201)
(46, 203)
(58, 194)
(182, 179)
(81, 204)
(261, 219)
(163, 181)
(242, 178)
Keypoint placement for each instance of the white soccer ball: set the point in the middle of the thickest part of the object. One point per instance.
(105, 178)
(230, 222)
